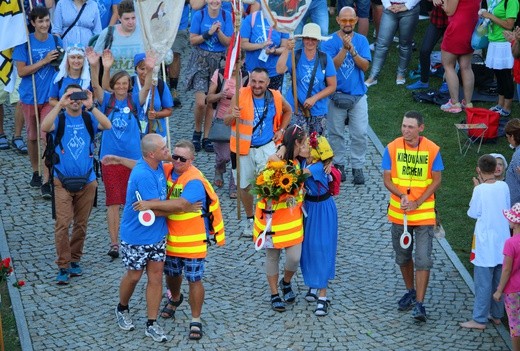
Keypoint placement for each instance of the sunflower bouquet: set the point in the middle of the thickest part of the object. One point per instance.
(278, 178)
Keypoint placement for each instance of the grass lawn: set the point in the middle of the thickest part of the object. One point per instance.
(387, 103)
(10, 333)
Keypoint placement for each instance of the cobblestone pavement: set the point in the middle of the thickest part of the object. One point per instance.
(236, 313)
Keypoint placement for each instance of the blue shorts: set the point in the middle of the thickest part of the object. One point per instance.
(193, 267)
(362, 6)
(135, 257)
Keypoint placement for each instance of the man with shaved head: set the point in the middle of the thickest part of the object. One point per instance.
(350, 52)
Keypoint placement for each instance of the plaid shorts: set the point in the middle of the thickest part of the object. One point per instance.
(193, 267)
(135, 257)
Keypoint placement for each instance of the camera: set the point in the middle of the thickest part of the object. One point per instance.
(78, 95)
(57, 61)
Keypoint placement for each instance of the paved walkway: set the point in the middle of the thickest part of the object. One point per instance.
(236, 314)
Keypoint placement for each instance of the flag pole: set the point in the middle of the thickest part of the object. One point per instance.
(168, 138)
(238, 16)
(293, 75)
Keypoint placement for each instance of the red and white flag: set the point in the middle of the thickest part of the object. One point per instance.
(285, 15)
(233, 52)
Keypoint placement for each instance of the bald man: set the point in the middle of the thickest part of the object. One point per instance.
(351, 55)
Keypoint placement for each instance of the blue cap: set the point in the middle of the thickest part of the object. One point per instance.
(138, 58)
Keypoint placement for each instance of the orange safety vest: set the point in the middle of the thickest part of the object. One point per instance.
(187, 235)
(412, 169)
(247, 116)
(287, 222)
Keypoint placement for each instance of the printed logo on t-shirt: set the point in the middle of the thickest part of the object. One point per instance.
(102, 8)
(306, 79)
(119, 125)
(76, 144)
(347, 67)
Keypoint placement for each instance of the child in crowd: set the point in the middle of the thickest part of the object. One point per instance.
(510, 280)
(490, 197)
(500, 171)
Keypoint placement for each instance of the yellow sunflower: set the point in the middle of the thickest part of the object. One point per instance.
(276, 164)
(260, 179)
(286, 181)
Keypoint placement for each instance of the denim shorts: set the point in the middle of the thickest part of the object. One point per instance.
(193, 267)
(422, 238)
(136, 257)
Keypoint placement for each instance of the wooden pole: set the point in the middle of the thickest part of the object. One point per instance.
(238, 84)
(151, 108)
(293, 74)
(168, 138)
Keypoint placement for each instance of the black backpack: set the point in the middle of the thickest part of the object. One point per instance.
(322, 57)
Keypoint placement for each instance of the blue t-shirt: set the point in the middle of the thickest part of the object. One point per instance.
(151, 185)
(105, 10)
(257, 33)
(350, 79)
(76, 159)
(318, 175)
(124, 138)
(303, 76)
(386, 163)
(185, 19)
(201, 23)
(165, 101)
(264, 133)
(56, 91)
(42, 77)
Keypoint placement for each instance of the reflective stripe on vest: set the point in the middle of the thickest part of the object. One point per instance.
(187, 235)
(412, 169)
(247, 117)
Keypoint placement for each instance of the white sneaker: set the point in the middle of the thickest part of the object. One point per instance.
(372, 47)
(156, 332)
(124, 321)
(247, 228)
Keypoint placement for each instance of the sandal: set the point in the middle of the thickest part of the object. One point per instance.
(310, 297)
(195, 331)
(321, 308)
(168, 312)
(207, 145)
(277, 304)
(218, 181)
(19, 145)
(4, 144)
(114, 251)
(233, 195)
(288, 294)
(196, 140)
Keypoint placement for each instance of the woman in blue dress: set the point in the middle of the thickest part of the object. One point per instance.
(318, 260)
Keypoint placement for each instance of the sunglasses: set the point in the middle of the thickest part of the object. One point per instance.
(347, 20)
(179, 158)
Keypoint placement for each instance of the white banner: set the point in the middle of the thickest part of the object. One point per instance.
(159, 22)
(285, 15)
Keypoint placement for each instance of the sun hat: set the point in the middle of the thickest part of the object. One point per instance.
(513, 215)
(320, 147)
(311, 30)
(138, 58)
(500, 156)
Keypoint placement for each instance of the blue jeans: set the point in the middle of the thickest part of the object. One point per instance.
(406, 21)
(486, 282)
(357, 125)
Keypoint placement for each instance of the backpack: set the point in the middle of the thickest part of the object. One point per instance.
(323, 60)
(220, 81)
(335, 181)
(160, 85)
(202, 10)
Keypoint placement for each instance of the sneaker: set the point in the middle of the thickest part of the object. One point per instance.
(123, 320)
(196, 141)
(156, 332)
(63, 276)
(496, 108)
(396, 39)
(419, 312)
(176, 101)
(36, 180)
(400, 80)
(288, 294)
(444, 88)
(451, 107)
(407, 301)
(371, 82)
(46, 191)
(75, 270)
(247, 228)
(359, 178)
(372, 47)
(321, 308)
(504, 113)
(310, 297)
(465, 104)
(418, 85)
(341, 170)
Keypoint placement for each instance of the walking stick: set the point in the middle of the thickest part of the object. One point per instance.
(151, 108)
(238, 80)
(168, 138)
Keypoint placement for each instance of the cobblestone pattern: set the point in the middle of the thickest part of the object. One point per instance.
(236, 314)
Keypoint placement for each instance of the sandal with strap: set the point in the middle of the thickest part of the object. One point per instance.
(288, 294)
(114, 251)
(19, 145)
(218, 179)
(195, 331)
(168, 312)
(277, 304)
(322, 308)
(310, 297)
(4, 144)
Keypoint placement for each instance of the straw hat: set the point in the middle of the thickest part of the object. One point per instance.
(513, 215)
(311, 30)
